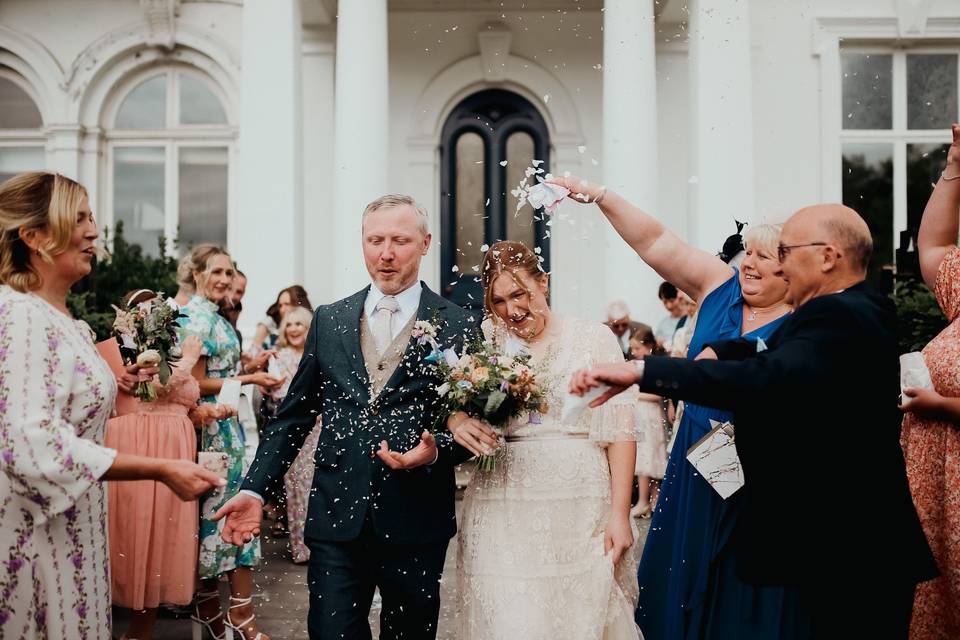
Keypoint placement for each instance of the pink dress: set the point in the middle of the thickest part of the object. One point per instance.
(932, 451)
(153, 534)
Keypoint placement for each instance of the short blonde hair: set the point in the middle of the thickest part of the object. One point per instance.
(763, 236)
(398, 200)
(35, 200)
(296, 314)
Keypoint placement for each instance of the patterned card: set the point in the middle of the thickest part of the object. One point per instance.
(715, 457)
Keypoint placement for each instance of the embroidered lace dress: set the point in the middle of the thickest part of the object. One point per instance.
(531, 551)
(56, 394)
(221, 346)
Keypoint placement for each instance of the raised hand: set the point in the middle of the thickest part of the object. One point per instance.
(188, 479)
(424, 453)
(243, 513)
(581, 190)
(618, 376)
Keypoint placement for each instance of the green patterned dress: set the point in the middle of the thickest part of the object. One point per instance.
(221, 346)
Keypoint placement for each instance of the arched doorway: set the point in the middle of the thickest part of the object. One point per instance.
(486, 145)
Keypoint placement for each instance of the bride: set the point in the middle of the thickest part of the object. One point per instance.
(546, 540)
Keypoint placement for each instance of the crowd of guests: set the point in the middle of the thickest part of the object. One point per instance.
(69, 420)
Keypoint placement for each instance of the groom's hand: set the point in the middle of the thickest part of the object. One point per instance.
(243, 513)
(618, 376)
(424, 453)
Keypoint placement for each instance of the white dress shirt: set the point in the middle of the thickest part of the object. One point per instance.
(408, 300)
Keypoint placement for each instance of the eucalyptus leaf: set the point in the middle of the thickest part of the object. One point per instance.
(494, 400)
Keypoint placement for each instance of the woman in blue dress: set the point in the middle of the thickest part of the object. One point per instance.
(688, 583)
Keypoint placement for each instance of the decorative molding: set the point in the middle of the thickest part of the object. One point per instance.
(494, 40)
(161, 18)
(912, 17)
(828, 30)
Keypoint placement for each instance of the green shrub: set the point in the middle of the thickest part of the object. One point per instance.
(919, 317)
(125, 269)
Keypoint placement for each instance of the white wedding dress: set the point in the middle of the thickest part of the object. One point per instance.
(531, 560)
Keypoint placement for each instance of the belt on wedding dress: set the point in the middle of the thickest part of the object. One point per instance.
(559, 436)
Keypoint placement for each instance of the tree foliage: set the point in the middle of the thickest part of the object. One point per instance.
(125, 269)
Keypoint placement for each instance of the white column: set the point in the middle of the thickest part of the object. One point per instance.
(630, 143)
(318, 215)
(265, 226)
(63, 149)
(721, 112)
(361, 146)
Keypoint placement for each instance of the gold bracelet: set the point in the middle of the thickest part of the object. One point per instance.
(943, 174)
(599, 198)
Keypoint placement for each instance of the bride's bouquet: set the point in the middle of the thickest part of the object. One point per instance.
(147, 333)
(491, 383)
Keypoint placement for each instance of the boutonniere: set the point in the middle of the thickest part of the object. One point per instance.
(425, 332)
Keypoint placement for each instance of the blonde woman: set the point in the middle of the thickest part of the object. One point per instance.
(299, 478)
(213, 273)
(56, 395)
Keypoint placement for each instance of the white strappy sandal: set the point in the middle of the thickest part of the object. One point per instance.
(206, 596)
(241, 602)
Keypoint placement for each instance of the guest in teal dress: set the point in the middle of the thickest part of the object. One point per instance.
(688, 586)
(214, 273)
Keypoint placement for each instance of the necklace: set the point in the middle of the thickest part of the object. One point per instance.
(753, 313)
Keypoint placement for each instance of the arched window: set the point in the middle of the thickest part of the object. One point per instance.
(169, 145)
(21, 128)
(487, 144)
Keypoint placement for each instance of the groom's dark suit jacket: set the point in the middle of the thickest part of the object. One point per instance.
(350, 482)
(818, 435)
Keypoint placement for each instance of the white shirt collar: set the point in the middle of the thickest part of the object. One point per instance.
(408, 299)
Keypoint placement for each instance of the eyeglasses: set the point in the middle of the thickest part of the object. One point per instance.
(783, 250)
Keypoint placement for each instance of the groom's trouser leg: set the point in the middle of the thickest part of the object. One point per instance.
(342, 579)
(409, 579)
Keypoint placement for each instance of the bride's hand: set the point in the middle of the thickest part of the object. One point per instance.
(475, 436)
(618, 536)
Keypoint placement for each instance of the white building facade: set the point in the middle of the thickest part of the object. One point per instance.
(267, 125)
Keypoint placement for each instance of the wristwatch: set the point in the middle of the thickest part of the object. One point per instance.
(639, 365)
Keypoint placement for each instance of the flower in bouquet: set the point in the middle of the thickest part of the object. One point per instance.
(147, 332)
(488, 383)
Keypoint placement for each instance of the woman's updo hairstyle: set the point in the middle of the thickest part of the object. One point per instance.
(200, 258)
(35, 200)
(511, 258)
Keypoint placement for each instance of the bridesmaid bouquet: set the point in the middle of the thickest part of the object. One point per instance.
(491, 384)
(147, 333)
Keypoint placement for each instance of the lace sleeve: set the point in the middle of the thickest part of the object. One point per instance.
(617, 420)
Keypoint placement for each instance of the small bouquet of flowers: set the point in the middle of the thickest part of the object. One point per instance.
(147, 332)
(491, 383)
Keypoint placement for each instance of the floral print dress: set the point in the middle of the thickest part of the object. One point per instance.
(221, 346)
(56, 394)
(932, 452)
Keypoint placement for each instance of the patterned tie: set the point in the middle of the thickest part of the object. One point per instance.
(383, 321)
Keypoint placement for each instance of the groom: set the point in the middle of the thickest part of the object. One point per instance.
(376, 517)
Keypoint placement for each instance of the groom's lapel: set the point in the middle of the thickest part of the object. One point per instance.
(349, 322)
(430, 309)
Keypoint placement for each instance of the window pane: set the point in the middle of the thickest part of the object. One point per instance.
(867, 87)
(925, 162)
(17, 109)
(519, 157)
(203, 196)
(146, 106)
(931, 91)
(14, 160)
(868, 188)
(470, 202)
(138, 195)
(198, 105)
